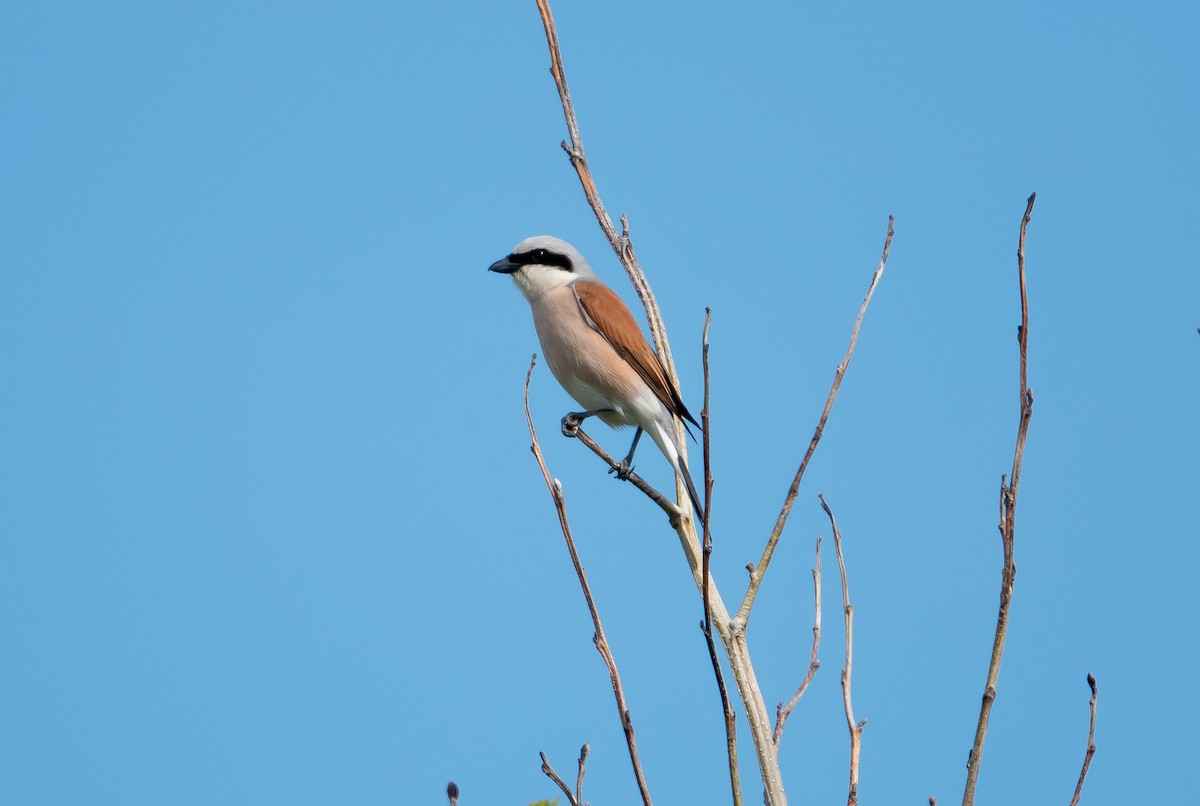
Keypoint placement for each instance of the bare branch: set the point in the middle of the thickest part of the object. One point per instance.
(848, 614)
(1091, 745)
(760, 570)
(549, 772)
(665, 504)
(621, 242)
(452, 793)
(731, 631)
(583, 754)
(727, 711)
(598, 638)
(1008, 515)
(782, 712)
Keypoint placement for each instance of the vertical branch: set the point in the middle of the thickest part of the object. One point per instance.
(452, 793)
(583, 754)
(757, 573)
(599, 637)
(620, 242)
(782, 712)
(735, 783)
(1091, 745)
(848, 614)
(732, 633)
(1008, 524)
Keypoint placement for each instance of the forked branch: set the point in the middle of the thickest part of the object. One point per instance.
(573, 798)
(1008, 520)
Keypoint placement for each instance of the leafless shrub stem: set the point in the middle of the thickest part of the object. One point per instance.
(1091, 744)
(620, 242)
(847, 671)
(782, 712)
(727, 711)
(1008, 516)
(549, 772)
(760, 570)
(598, 638)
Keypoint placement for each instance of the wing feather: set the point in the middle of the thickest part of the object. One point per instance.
(610, 317)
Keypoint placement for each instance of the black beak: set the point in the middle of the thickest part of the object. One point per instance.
(504, 266)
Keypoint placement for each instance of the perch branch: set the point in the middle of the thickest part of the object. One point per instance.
(598, 638)
(665, 504)
(1091, 745)
(1008, 516)
(848, 615)
(760, 570)
(782, 712)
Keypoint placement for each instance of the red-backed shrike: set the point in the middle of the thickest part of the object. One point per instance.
(595, 348)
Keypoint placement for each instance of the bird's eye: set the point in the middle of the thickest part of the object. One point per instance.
(540, 255)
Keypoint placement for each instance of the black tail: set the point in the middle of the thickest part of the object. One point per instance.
(691, 489)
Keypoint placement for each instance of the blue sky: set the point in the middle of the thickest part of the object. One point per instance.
(271, 532)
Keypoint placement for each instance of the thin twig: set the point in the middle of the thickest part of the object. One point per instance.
(1091, 746)
(760, 570)
(583, 754)
(598, 638)
(727, 711)
(549, 772)
(1008, 515)
(620, 242)
(848, 612)
(452, 793)
(782, 712)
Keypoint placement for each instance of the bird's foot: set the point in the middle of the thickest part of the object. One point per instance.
(622, 469)
(571, 423)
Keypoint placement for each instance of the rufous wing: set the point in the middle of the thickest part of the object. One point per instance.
(610, 317)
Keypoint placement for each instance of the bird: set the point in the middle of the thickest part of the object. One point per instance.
(595, 349)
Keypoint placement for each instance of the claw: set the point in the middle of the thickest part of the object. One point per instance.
(571, 424)
(623, 469)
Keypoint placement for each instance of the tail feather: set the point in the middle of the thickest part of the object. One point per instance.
(659, 434)
(691, 488)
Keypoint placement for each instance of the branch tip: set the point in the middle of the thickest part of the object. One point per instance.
(839, 374)
(1007, 525)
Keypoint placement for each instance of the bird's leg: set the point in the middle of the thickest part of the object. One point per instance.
(574, 419)
(625, 465)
